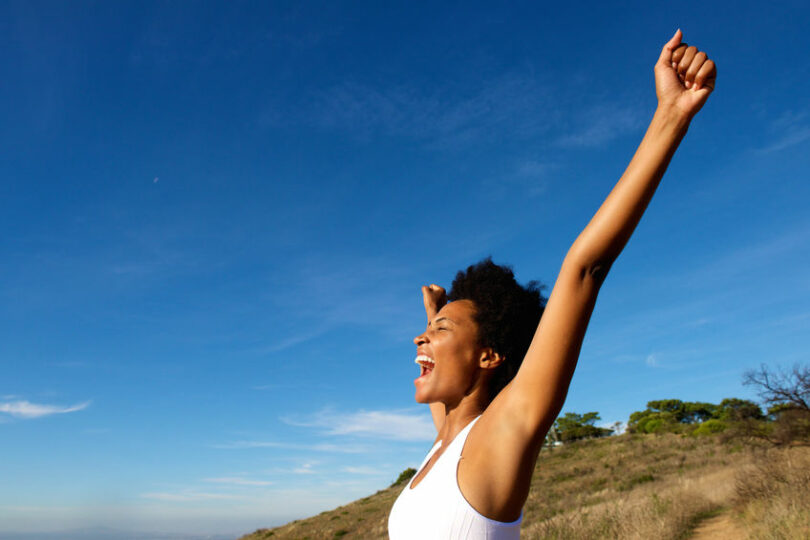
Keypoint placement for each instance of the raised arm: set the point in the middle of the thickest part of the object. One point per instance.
(684, 78)
(434, 298)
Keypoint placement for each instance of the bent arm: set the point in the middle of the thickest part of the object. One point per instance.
(434, 297)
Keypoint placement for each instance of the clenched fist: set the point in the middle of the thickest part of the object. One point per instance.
(434, 298)
(684, 77)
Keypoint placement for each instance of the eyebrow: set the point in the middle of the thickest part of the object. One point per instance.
(440, 319)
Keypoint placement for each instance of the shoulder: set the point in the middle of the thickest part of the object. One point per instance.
(495, 468)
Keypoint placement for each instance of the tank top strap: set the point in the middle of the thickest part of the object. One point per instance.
(457, 445)
(444, 470)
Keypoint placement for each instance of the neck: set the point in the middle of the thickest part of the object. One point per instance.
(459, 415)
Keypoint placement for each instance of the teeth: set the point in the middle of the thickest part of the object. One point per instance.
(423, 360)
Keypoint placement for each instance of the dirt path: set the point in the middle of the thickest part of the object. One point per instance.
(720, 527)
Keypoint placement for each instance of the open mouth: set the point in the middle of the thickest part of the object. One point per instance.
(426, 364)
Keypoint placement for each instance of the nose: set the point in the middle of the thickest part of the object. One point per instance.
(420, 339)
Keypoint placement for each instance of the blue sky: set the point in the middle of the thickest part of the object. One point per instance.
(217, 218)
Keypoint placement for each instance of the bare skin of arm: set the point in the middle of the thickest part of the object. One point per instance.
(434, 297)
(501, 450)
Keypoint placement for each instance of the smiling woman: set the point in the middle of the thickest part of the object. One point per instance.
(495, 377)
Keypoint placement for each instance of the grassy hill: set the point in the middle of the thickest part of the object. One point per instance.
(630, 486)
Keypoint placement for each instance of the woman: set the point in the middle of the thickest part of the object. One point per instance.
(491, 416)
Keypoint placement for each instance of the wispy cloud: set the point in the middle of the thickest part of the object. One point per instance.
(530, 176)
(363, 470)
(328, 291)
(291, 385)
(790, 129)
(26, 409)
(188, 496)
(533, 168)
(776, 248)
(401, 425)
(652, 360)
(447, 114)
(602, 123)
(289, 342)
(318, 447)
(238, 481)
(305, 468)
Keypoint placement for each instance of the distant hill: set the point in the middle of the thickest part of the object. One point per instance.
(106, 533)
(629, 486)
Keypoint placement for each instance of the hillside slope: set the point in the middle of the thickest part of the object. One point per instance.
(619, 487)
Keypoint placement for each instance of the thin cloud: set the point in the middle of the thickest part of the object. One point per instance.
(393, 425)
(533, 168)
(601, 124)
(26, 409)
(278, 386)
(364, 471)
(652, 360)
(290, 342)
(323, 447)
(512, 102)
(791, 129)
(793, 138)
(306, 468)
(190, 496)
(531, 176)
(737, 262)
(237, 481)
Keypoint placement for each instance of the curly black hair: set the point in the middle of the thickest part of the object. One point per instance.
(507, 313)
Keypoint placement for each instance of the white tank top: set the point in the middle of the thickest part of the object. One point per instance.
(436, 510)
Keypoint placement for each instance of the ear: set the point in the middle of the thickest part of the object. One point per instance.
(490, 359)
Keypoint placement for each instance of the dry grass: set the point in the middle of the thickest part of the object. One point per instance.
(773, 494)
(623, 487)
(630, 487)
(364, 518)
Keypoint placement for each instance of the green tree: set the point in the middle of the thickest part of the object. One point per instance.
(735, 410)
(665, 415)
(572, 426)
(696, 412)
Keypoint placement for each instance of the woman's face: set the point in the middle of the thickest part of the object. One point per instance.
(448, 354)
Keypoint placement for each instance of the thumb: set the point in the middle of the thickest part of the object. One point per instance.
(666, 52)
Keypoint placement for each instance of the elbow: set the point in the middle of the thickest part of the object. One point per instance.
(592, 269)
(597, 271)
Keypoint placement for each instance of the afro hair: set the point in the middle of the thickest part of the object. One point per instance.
(506, 312)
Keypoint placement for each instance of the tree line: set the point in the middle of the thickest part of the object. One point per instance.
(785, 419)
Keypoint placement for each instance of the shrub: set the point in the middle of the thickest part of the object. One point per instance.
(710, 427)
(404, 476)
